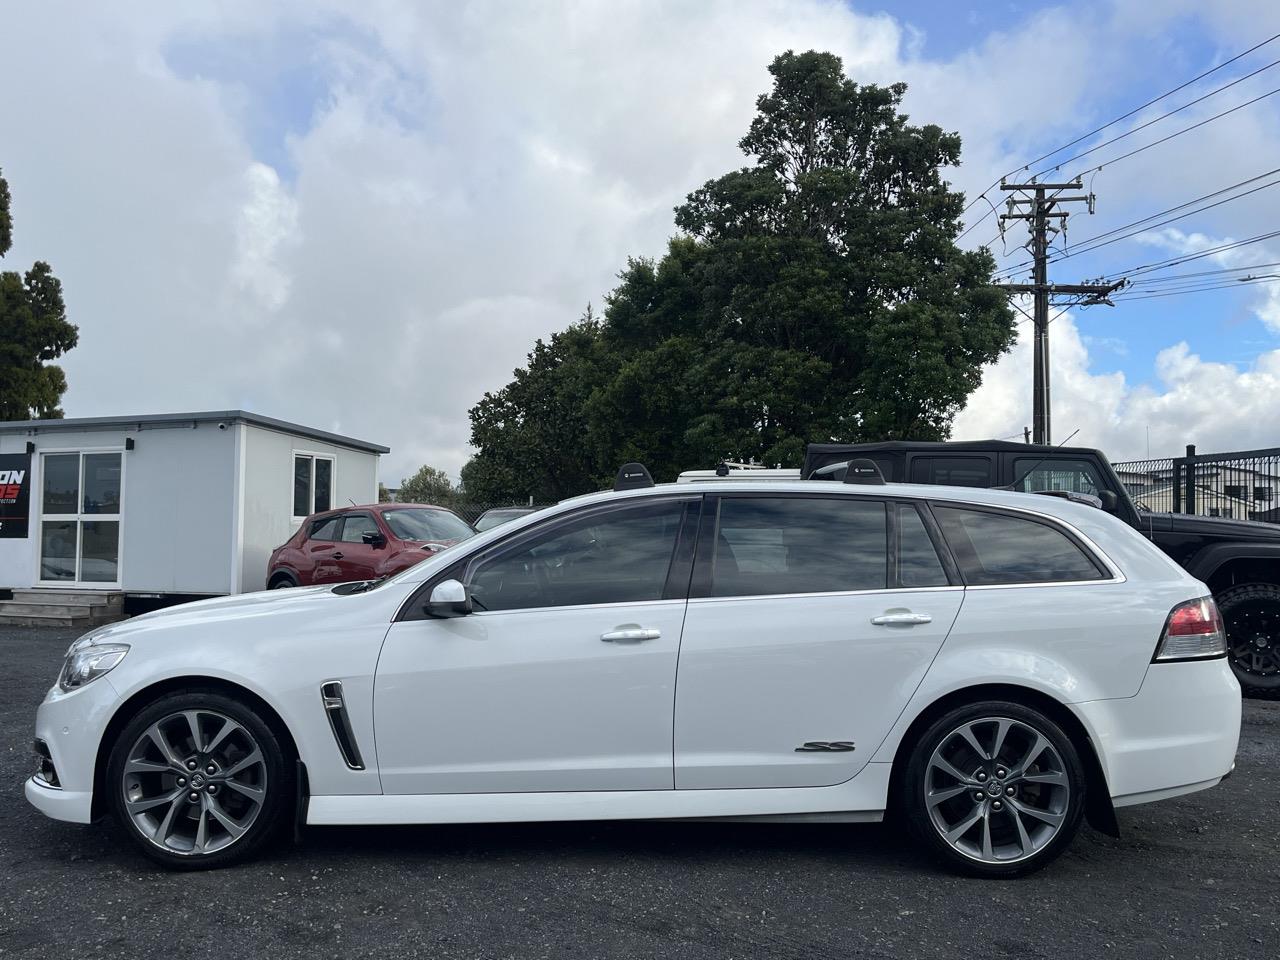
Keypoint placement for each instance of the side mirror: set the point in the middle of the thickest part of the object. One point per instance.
(1109, 500)
(449, 598)
(374, 539)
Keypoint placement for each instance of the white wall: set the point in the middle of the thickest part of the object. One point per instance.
(267, 507)
(179, 490)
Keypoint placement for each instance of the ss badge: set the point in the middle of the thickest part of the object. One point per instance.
(826, 746)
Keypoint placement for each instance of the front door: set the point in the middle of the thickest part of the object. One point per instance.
(357, 559)
(80, 514)
(563, 679)
(812, 620)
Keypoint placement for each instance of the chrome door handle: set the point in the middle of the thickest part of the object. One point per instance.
(630, 635)
(337, 556)
(901, 619)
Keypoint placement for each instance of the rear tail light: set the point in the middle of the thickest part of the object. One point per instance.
(1193, 631)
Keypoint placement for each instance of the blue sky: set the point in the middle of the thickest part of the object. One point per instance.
(398, 198)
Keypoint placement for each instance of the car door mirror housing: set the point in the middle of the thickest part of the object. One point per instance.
(374, 539)
(1109, 500)
(449, 598)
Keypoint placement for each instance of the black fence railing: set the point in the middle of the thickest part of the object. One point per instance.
(1244, 484)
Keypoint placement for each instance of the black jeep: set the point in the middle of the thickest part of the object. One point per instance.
(1238, 559)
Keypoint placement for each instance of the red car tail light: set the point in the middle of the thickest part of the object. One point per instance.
(1194, 631)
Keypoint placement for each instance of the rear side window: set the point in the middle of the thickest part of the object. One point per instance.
(775, 545)
(952, 471)
(326, 529)
(996, 548)
(918, 563)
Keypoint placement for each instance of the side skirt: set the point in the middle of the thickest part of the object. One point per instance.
(861, 799)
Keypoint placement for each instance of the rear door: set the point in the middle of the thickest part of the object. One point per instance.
(811, 621)
(319, 551)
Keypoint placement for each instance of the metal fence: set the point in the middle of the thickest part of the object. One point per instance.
(1244, 484)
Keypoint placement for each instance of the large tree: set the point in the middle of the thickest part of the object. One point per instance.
(428, 485)
(816, 294)
(33, 331)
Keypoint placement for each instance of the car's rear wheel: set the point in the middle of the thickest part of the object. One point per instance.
(281, 581)
(1251, 615)
(994, 789)
(198, 780)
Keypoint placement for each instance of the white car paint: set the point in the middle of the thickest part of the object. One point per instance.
(529, 716)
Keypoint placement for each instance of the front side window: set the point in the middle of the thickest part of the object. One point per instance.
(999, 548)
(356, 525)
(1077, 476)
(312, 484)
(779, 545)
(620, 555)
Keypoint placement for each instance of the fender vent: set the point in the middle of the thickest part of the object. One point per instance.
(335, 707)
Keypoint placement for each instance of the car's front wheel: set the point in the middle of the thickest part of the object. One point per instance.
(198, 780)
(994, 789)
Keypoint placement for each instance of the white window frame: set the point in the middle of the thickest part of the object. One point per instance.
(313, 455)
(78, 518)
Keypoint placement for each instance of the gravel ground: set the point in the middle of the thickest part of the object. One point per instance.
(1196, 876)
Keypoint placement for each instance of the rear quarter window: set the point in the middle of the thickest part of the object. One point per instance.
(991, 547)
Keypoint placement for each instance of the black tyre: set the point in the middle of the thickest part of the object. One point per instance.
(1251, 614)
(282, 581)
(994, 789)
(199, 780)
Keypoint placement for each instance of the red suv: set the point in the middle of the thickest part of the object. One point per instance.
(363, 543)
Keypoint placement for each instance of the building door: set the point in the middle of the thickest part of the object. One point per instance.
(80, 516)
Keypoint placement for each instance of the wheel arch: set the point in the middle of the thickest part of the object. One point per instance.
(285, 571)
(149, 694)
(1225, 565)
(1099, 810)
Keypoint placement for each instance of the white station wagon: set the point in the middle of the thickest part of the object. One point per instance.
(994, 667)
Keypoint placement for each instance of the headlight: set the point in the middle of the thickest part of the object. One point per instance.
(87, 663)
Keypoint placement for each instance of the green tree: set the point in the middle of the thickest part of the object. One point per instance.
(428, 485)
(815, 294)
(384, 495)
(33, 331)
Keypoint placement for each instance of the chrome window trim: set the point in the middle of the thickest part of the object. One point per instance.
(832, 593)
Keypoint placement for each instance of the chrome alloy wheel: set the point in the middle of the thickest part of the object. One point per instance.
(194, 782)
(997, 790)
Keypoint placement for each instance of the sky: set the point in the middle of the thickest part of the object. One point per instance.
(359, 216)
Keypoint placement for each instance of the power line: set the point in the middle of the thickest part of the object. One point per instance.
(1096, 242)
(1109, 123)
(1185, 277)
(1187, 258)
(1163, 116)
(1242, 282)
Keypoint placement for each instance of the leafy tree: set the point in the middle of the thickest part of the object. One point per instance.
(33, 331)
(384, 495)
(815, 294)
(428, 485)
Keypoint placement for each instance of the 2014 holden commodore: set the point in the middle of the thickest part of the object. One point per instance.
(995, 666)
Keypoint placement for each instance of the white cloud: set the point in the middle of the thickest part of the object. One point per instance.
(1217, 406)
(463, 178)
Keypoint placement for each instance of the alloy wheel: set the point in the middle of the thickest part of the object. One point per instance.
(1253, 636)
(997, 790)
(194, 782)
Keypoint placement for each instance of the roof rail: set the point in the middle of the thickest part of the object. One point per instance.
(1073, 495)
(633, 476)
(864, 471)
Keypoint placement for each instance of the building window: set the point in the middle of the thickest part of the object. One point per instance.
(1235, 491)
(1262, 493)
(312, 484)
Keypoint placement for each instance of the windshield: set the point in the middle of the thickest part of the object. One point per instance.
(418, 523)
(495, 518)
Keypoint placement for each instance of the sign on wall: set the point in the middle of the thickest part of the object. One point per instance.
(15, 494)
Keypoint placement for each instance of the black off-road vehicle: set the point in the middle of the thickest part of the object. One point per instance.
(1238, 559)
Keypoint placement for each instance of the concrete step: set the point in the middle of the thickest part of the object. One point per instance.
(58, 619)
(45, 608)
(90, 598)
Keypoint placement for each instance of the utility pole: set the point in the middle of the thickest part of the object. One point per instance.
(1041, 209)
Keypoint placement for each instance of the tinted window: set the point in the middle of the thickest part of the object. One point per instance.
(1077, 476)
(326, 529)
(952, 471)
(614, 556)
(356, 525)
(420, 524)
(324, 485)
(771, 545)
(61, 483)
(918, 563)
(301, 486)
(999, 548)
(102, 483)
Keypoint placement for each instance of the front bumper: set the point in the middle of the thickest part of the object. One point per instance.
(1178, 734)
(71, 724)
